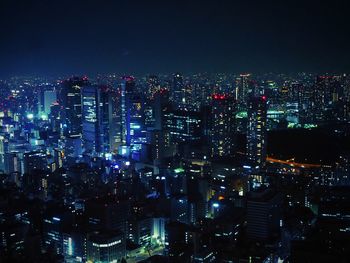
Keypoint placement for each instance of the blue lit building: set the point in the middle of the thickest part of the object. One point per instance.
(92, 120)
(135, 132)
(69, 99)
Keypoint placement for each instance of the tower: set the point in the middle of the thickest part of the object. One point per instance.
(242, 88)
(222, 125)
(70, 102)
(256, 131)
(92, 121)
(127, 87)
(178, 90)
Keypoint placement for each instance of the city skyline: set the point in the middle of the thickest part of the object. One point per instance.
(174, 131)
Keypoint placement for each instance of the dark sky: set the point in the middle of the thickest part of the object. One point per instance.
(71, 37)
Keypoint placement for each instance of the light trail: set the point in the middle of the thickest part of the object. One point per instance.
(292, 163)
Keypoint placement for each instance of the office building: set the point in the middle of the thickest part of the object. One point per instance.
(222, 128)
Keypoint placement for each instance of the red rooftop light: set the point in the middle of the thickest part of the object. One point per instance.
(219, 96)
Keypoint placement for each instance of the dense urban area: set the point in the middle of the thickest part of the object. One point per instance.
(175, 168)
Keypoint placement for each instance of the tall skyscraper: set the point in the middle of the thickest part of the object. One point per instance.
(92, 120)
(327, 91)
(178, 90)
(256, 132)
(242, 88)
(160, 106)
(47, 96)
(127, 87)
(115, 119)
(135, 133)
(101, 119)
(222, 125)
(183, 126)
(70, 102)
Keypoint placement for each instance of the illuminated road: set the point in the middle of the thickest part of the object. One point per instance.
(292, 163)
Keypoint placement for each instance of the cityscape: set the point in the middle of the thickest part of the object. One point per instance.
(183, 164)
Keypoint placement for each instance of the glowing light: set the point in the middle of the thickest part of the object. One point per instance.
(219, 96)
(179, 170)
(30, 116)
(215, 205)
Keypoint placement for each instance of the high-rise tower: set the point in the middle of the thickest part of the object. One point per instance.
(70, 102)
(256, 132)
(222, 125)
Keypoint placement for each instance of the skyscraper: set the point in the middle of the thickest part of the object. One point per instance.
(135, 133)
(222, 125)
(183, 126)
(178, 91)
(256, 132)
(70, 102)
(101, 119)
(127, 87)
(115, 119)
(47, 96)
(92, 120)
(242, 88)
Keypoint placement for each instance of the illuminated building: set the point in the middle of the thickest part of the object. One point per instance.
(140, 230)
(178, 97)
(158, 230)
(127, 87)
(115, 119)
(153, 85)
(135, 132)
(183, 126)
(3, 150)
(52, 233)
(92, 120)
(242, 88)
(106, 246)
(222, 125)
(70, 101)
(256, 131)
(74, 246)
(47, 96)
(327, 92)
(101, 122)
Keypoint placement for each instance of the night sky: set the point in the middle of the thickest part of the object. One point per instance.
(76, 37)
